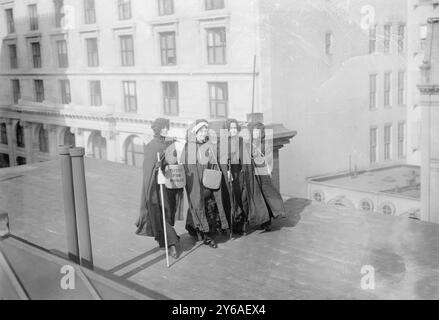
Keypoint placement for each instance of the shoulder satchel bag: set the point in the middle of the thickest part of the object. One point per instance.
(211, 177)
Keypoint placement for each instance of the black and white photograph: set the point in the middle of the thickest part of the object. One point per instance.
(219, 150)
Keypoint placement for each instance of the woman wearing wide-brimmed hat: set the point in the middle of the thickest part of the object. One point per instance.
(206, 212)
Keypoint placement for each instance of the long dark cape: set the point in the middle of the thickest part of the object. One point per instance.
(150, 219)
(261, 200)
(196, 217)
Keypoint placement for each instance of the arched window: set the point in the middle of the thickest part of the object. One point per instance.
(134, 151)
(318, 196)
(98, 146)
(43, 139)
(366, 205)
(387, 208)
(19, 131)
(3, 134)
(69, 138)
(4, 160)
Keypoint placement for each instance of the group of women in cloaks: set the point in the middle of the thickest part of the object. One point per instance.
(245, 196)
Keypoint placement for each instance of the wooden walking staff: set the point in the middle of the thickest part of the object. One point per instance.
(161, 183)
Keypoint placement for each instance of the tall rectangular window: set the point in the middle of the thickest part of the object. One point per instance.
(89, 11)
(127, 50)
(328, 43)
(63, 59)
(387, 89)
(95, 93)
(10, 20)
(36, 54)
(401, 38)
(59, 15)
(388, 142)
(401, 140)
(214, 4)
(218, 99)
(39, 90)
(216, 45)
(16, 92)
(3, 136)
(372, 39)
(401, 88)
(92, 52)
(372, 91)
(373, 145)
(166, 7)
(387, 37)
(66, 96)
(168, 50)
(124, 9)
(130, 96)
(33, 17)
(13, 60)
(170, 98)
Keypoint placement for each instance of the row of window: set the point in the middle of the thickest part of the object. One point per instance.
(387, 38)
(387, 90)
(218, 95)
(216, 50)
(387, 142)
(165, 7)
(43, 137)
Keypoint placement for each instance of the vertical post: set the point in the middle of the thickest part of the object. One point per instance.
(254, 84)
(69, 203)
(81, 207)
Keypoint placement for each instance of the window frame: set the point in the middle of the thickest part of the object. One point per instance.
(401, 38)
(372, 39)
(13, 58)
(127, 53)
(10, 22)
(373, 88)
(33, 17)
(43, 141)
(387, 135)
(213, 59)
(16, 90)
(401, 88)
(387, 103)
(62, 53)
(66, 95)
(165, 7)
(165, 57)
(124, 8)
(92, 56)
(59, 15)
(130, 98)
(94, 98)
(373, 145)
(402, 140)
(37, 62)
(168, 99)
(214, 5)
(216, 101)
(387, 37)
(39, 90)
(89, 12)
(3, 134)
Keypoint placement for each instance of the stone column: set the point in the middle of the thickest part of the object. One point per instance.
(28, 141)
(11, 142)
(112, 138)
(53, 139)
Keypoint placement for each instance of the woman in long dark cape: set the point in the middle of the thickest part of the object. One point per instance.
(150, 221)
(205, 205)
(262, 200)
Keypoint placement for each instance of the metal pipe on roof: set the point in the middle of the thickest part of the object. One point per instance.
(81, 206)
(69, 203)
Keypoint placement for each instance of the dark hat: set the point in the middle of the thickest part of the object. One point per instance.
(160, 124)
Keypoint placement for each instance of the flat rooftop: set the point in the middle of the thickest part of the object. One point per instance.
(391, 180)
(316, 253)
